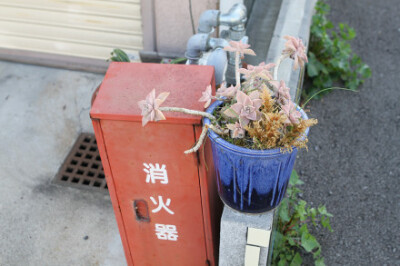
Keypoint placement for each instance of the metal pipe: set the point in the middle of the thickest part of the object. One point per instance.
(208, 20)
(218, 59)
(214, 43)
(237, 15)
(195, 46)
(235, 18)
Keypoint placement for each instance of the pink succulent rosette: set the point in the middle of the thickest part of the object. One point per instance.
(262, 70)
(240, 48)
(296, 50)
(228, 92)
(206, 96)
(293, 116)
(246, 108)
(150, 107)
(237, 131)
(282, 94)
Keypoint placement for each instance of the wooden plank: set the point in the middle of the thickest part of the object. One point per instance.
(78, 36)
(72, 21)
(120, 1)
(60, 47)
(99, 8)
(89, 29)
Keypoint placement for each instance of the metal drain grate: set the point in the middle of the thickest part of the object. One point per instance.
(82, 168)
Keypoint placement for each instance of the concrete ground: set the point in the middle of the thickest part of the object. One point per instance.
(353, 165)
(42, 111)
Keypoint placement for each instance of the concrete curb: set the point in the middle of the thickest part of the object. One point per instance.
(234, 228)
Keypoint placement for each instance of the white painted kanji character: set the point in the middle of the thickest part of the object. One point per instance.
(156, 173)
(161, 204)
(166, 232)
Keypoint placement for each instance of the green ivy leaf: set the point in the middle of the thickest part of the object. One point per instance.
(313, 213)
(318, 31)
(294, 179)
(322, 210)
(292, 242)
(325, 222)
(308, 242)
(329, 25)
(320, 262)
(351, 33)
(284, 211)
(301, 210)
(356, 60)
(297, 260)
(352, 84)
(312, 70)
(303, 229)
(365, 71)
(282, 262)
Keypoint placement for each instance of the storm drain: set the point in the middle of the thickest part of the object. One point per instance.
(82, 168)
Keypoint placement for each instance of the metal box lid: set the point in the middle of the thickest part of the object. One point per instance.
(125, 84)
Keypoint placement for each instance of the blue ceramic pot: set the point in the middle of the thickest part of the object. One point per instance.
(251, 181)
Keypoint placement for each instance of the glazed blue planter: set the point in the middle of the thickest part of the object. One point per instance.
(250, 181)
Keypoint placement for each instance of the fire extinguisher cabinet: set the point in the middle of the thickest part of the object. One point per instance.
(165, 201)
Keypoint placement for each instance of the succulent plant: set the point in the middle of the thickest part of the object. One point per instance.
(258, 110)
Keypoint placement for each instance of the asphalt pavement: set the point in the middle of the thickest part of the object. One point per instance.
(353, 162)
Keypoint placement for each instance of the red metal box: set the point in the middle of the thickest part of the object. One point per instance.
(165, 202)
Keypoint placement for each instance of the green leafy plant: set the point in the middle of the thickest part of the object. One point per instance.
(330, 56)
(117, 55)
(179, 60)
(292, 237)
